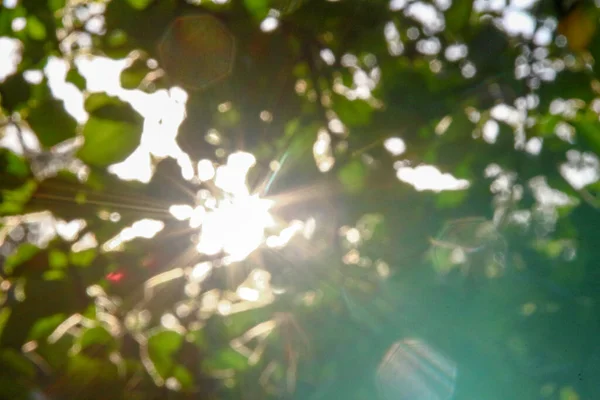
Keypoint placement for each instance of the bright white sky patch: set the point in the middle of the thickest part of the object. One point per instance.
(428, 177)
(581, 169)
(10, 56)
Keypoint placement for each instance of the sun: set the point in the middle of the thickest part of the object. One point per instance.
(230, 219)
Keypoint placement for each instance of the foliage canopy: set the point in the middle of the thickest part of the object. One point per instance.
(329, 178)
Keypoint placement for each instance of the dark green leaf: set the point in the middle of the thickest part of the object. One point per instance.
(353, 176)
(23, 254)
(458, 15)
(74, 77)
(132, 76)
(51, 122)
(14, 92)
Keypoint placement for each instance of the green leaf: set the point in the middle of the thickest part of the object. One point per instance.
(140, 4)
(45, 326)
(13, 201)
(112, 132)
(58, 259)
(24, 253)
(352, 112)
(132, 76)
(36, 28)
(458, 15)
(353, 176)
(225, 359)
(16, 169)
(14, 92)
(74, 77)
(96, 336)
(14, 362)
(83, 258)
(257, 8)
(162, 348)
(4, 314)
(51, 122)
(183, 376)
(450, 198)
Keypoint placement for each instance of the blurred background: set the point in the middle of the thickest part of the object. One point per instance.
(299, 199)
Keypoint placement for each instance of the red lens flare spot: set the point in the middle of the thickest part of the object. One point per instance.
(115, 276)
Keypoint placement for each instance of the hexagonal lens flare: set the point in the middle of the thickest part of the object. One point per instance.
(197, 51)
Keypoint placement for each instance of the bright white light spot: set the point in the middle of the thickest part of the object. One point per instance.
(69, 230)
(395, 146)
(10, 54)
(534, 146)
(88, 241)
(232, 176)
(145, 228)
(490, 131)
(269, 24)
(546, 195)
(206, 170)
(581, 169)
(427, 177)
(427, 15)
(18, 24)
(396, 5)
(169, 321)
(456, 52)
(200, 271)
(285, 235)
(353, 235)
(266, 116)
(517, 22)
(138, 166)
(328, 56)
(197, 217)
(248, 294)
(33, 76)
(181, 212)
(236, 227)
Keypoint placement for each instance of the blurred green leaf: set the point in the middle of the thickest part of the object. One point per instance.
(353, 176)
(51, 122)
(352, 112)
(162, 348)
(13, 201)
(132, 76)
(74, 77)
(14, 92)
(140, 4)
(257, 8)
(23, 254)
(97, 336)
(458, 15)
(58, 259)
(45, 326)
(225, 359)
(15, 363)
(83, 258)
(36, 28)
(112, 132)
